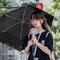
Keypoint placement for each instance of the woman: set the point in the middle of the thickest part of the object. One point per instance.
(40, 41)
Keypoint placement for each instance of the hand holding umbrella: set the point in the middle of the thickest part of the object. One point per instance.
(34, 39)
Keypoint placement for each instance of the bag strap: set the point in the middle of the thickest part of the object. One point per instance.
(47, 34)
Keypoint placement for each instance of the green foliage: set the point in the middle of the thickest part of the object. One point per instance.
(3, 2)
(2, 12)
(56, 4)
(6, 3)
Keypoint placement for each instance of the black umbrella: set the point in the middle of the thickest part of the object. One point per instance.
(14, 26)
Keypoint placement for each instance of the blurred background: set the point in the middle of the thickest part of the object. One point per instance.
(50, 6)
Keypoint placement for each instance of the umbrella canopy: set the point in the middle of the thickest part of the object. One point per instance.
(14, 26)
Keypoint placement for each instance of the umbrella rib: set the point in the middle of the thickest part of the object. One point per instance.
(10, 26)
(13, 17)
(23, 21)
(26, 22)
(17, 18)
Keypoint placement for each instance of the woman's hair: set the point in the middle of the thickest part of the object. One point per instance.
(37, 15)
(40, 16)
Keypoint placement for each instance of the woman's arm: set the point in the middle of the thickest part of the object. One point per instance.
(46, 49)
(27, 50)
(43, 48)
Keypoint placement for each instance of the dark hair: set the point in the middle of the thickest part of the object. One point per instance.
(37, 15)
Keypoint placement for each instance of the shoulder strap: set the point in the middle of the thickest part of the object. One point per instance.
(47, 34)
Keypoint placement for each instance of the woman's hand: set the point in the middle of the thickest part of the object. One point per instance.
(30, 43)
(34, 39)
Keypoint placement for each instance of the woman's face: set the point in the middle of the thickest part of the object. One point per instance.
(36, 23)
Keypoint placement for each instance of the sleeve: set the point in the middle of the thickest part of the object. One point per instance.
(49, 42)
